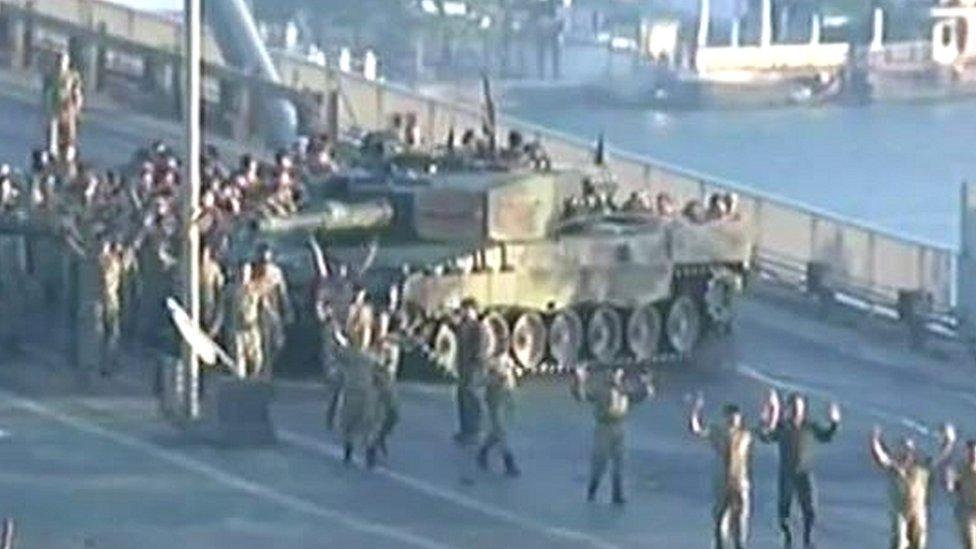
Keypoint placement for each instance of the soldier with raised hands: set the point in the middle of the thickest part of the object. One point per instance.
(611, 394)
(909, 471)
(386, 368)
(960, 482)
(795, 434)
(500, 401)
(733, 443)
(64, 100)
(115, 263)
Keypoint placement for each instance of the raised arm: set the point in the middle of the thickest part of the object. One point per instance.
(948, 442)
(371, 252)
(318, 257)
(878, 450)
(698, 426)
(771, 413)
(825, 433)
(642, 389)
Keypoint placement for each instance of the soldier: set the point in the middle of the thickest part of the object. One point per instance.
(276, 308)
(331, 334)
(611, 394)
(471, 372)
(64, 100)
(12, 270)
(358, 392)
(10, 191)
(115, 262)
(795, 435)
(909, 472)
(733, 444)
(499, 392)
(387, 366)
(247, 334)
(212, 282)
(961, 483)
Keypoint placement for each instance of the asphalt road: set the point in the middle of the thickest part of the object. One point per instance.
(98, 467)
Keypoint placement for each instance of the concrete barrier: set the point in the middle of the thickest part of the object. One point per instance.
(872, 264)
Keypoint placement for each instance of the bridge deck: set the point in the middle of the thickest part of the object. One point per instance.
(98, 467)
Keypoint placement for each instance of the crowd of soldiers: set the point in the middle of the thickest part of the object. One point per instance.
(599, 199)
(127, 226)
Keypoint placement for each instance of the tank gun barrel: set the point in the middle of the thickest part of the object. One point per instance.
(335, 216)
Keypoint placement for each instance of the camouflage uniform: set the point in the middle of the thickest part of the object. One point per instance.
(499, 399)
(275, 310)
(12, 276)
(732, 485)
(471, 374)
(611, 402)
(114, 264)
(248, 348)
(359, 326)
(65, 100)
(387, 365)
(358, 400)
(963, 485)
(211, 290)
(909, 492)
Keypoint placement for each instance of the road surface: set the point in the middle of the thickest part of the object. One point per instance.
(98, 467)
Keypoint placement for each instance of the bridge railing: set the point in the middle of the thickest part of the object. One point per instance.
(866, 262)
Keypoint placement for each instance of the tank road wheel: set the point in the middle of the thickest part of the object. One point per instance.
(565, 338)
(529, 340)
(683, 325)
(644, 331)
(497, 334)
(604, 334)
(446, 349)
(719, 293)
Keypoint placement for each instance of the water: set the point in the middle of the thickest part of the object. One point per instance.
(151, 5)
(897, 166)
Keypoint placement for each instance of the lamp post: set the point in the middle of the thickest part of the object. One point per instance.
(192, 29)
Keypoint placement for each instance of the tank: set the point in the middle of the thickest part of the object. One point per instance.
(601, 284)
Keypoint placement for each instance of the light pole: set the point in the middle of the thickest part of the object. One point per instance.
(192, 29)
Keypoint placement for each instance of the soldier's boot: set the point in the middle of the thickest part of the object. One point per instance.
(483, 458)
(371, 456)
(347, 454)
(808, 531)
(784, 527)
(618, 490)
(591, 489)
(511, 469)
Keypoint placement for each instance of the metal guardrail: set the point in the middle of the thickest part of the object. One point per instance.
(866, 260)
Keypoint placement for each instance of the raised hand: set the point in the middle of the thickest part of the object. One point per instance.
(948, 433)
(833, 412)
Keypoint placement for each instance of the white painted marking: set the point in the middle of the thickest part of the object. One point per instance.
(224, 478)
(409, 386)
(756, 375)
(450, 496)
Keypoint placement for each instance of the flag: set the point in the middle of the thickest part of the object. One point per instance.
(489, 123)
(599, 156)
(201, 344)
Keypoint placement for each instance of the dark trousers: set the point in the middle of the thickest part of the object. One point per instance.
(798, 485)
(469, 410)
